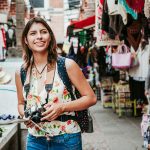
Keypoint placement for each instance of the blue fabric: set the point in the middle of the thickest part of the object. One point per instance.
(128, 9)
(60, 142)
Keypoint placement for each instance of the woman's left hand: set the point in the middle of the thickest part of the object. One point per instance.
(53, 110)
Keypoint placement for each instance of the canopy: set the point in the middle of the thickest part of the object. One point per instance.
(82, 24)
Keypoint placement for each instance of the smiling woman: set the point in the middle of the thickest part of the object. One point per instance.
(44, 97)
(39, 38)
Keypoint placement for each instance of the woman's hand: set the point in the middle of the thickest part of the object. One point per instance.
(29, 124)
(53, 110)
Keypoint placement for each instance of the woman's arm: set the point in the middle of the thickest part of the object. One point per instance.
(19, 93)
(77, 78)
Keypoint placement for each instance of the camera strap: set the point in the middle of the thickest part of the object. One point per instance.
(48, 87)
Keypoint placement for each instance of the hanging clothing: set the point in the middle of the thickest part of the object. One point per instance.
(128, 9)
(2, 47)
(116, 8)
(116, 24)
(4, 37)
(147, 8)
(102, 37)
(136, 5)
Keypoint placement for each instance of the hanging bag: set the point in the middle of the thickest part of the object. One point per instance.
(121, 59)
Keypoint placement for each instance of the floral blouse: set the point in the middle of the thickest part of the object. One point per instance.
(58, 94)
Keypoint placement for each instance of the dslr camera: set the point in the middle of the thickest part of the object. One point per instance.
(35, 113)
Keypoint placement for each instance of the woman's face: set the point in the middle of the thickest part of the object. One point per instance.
(38, 38)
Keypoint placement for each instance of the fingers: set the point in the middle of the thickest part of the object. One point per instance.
(52, 111)
(48, 111)
(49, 117)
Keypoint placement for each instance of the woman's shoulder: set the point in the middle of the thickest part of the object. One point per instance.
(20, 70)
(70, 63)
(17, 71)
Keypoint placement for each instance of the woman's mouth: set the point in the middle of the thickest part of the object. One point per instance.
(40, 43)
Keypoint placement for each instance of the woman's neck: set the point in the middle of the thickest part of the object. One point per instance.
(40, 59)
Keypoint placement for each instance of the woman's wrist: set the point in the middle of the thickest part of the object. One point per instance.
(63, 107)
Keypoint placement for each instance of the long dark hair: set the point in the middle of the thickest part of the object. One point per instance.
(27, 53)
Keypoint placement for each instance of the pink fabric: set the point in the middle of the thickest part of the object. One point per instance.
(137, 5)
(102, 2)
(4, 37)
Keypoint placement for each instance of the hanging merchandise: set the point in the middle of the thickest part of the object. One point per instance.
(66, 45)
(136, 5)
(122, 58)
(116, 24)
(2, 58)
(146, 27)
(147, 8)
(128, 9)
(101, 36)
(134, 34)
(74, 41)
(2, 44)
(117, 8)
(83, 37)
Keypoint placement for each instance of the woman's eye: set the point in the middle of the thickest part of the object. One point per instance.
(32, 33)
(44, 32)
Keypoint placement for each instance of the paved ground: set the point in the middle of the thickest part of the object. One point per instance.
(110, 131)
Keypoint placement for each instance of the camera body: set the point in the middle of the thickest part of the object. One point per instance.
(35, 113)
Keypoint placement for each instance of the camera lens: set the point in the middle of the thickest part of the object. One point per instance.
(36, 117)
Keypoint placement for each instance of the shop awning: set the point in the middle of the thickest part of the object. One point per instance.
(82, 24)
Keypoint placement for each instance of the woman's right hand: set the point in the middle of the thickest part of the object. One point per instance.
(29, 124)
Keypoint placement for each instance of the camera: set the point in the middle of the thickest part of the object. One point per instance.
(35, 113)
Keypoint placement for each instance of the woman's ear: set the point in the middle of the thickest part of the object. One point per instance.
(25, 40)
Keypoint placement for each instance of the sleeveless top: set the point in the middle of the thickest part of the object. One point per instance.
(58, 94)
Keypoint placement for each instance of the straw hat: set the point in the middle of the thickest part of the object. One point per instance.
(4, 77)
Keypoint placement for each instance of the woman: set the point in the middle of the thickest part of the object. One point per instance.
(40, 61)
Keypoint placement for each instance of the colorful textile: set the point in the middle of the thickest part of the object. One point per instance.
(136, 5)
(128, 9)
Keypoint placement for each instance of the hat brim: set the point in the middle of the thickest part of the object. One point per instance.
(6, 79)
(2, 74)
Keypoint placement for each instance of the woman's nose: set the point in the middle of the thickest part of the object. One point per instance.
(39, 36)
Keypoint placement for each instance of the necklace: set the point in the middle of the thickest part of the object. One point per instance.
(40, 73)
